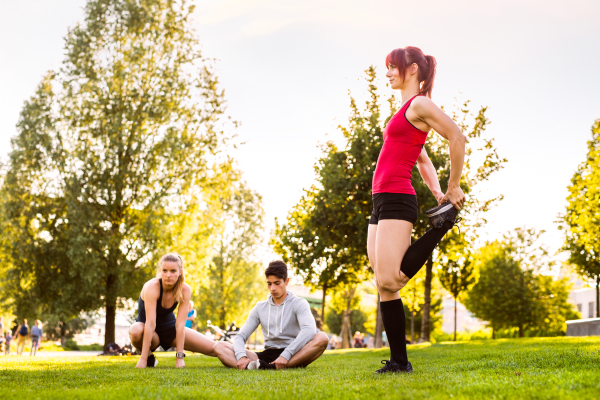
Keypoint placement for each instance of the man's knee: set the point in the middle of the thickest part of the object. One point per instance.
(321, 340)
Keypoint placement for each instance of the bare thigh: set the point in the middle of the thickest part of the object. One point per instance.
(138, 327)
(386, 245)
(197, 342)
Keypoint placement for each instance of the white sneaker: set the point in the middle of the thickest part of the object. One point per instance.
(253, 365)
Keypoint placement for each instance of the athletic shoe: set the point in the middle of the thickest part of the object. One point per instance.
(442, 213)
(152, 361)
(392, 366)
(258, 364)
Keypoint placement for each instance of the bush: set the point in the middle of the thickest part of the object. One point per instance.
(70, 344)
(91, 347)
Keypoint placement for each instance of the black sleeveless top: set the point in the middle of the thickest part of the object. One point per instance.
(164, 316)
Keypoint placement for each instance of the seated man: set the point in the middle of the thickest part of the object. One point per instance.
(288, 326)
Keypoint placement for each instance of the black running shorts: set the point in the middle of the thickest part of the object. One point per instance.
(269, 355)
(166, 337)
(394, 206)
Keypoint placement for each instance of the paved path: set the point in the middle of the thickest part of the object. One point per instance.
(63, 353)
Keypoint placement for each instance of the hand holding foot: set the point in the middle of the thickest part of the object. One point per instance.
(280, 363)
(243, 363)
(455, 196)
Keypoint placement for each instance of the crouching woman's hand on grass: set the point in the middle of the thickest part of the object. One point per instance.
(243, 363)
(280, 363)
(142, 363)
(179, 363)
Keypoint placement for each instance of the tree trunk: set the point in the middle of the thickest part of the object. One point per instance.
(378, 326)
(63, 333)
(598, 296)
(493, 333)
(111, 309)
(520, 331)
(455, 319)
(412, 326)
(323, 303)
(346, 328)
(426, 323)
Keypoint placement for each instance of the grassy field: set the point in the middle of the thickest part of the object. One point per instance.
(546, 368)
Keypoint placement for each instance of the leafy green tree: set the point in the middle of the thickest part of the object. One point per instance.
(233, 281)
(510, 293)
(325, 233)
(581, 221)
(504, 295)
(112, 152)
(456, 276)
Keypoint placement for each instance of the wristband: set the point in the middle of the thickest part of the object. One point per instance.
(180, 354)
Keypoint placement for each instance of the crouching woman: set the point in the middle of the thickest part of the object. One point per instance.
(156, 324)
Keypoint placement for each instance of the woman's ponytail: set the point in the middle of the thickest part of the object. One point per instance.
(427, 85)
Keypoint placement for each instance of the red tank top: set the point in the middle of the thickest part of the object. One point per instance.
(402, 144)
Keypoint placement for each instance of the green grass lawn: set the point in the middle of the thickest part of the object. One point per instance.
(546, 368)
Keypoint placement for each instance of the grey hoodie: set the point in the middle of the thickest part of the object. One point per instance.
(289, 325)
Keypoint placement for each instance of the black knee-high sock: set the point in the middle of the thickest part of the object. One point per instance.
(418, 252)
(394, 321)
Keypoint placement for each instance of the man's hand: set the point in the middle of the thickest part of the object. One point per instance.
(142, 363)
(243, 362)
(179, 363)
(280, 363)
(455, 196)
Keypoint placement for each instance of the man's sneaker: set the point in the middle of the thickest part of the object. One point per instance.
(152, 361)
(258, 364)
(442, 213)
(392, 366)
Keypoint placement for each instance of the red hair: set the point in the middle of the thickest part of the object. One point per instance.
(403, 58)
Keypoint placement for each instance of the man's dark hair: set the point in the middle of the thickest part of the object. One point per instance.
(277, 268)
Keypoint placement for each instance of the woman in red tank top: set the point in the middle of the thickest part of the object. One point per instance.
(392, 256)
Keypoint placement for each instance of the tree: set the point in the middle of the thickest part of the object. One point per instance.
(326, 232)
(510, 293)
(504, 295)
(581, 221)
(233, 278)
(456, 276)
(114, 150)
(344, 302)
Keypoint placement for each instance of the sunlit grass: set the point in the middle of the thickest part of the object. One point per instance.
(549, 368)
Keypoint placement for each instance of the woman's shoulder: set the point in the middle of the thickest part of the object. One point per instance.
(423, 103)
(151, 287)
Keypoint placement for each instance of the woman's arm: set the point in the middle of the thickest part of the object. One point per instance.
(151, 293)
(182, 312)
(433, 116)
(429, 174)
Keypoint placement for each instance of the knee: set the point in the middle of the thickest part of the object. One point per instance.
(388, 285)
(322, 340)
(220, 348)
(136, 333)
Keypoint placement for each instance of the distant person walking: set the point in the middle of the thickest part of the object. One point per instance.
(22, 336)
(395, 210)
(191, 315)
(36, 337)
(8, 337)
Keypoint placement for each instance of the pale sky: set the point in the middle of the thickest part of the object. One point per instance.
(287, 66)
